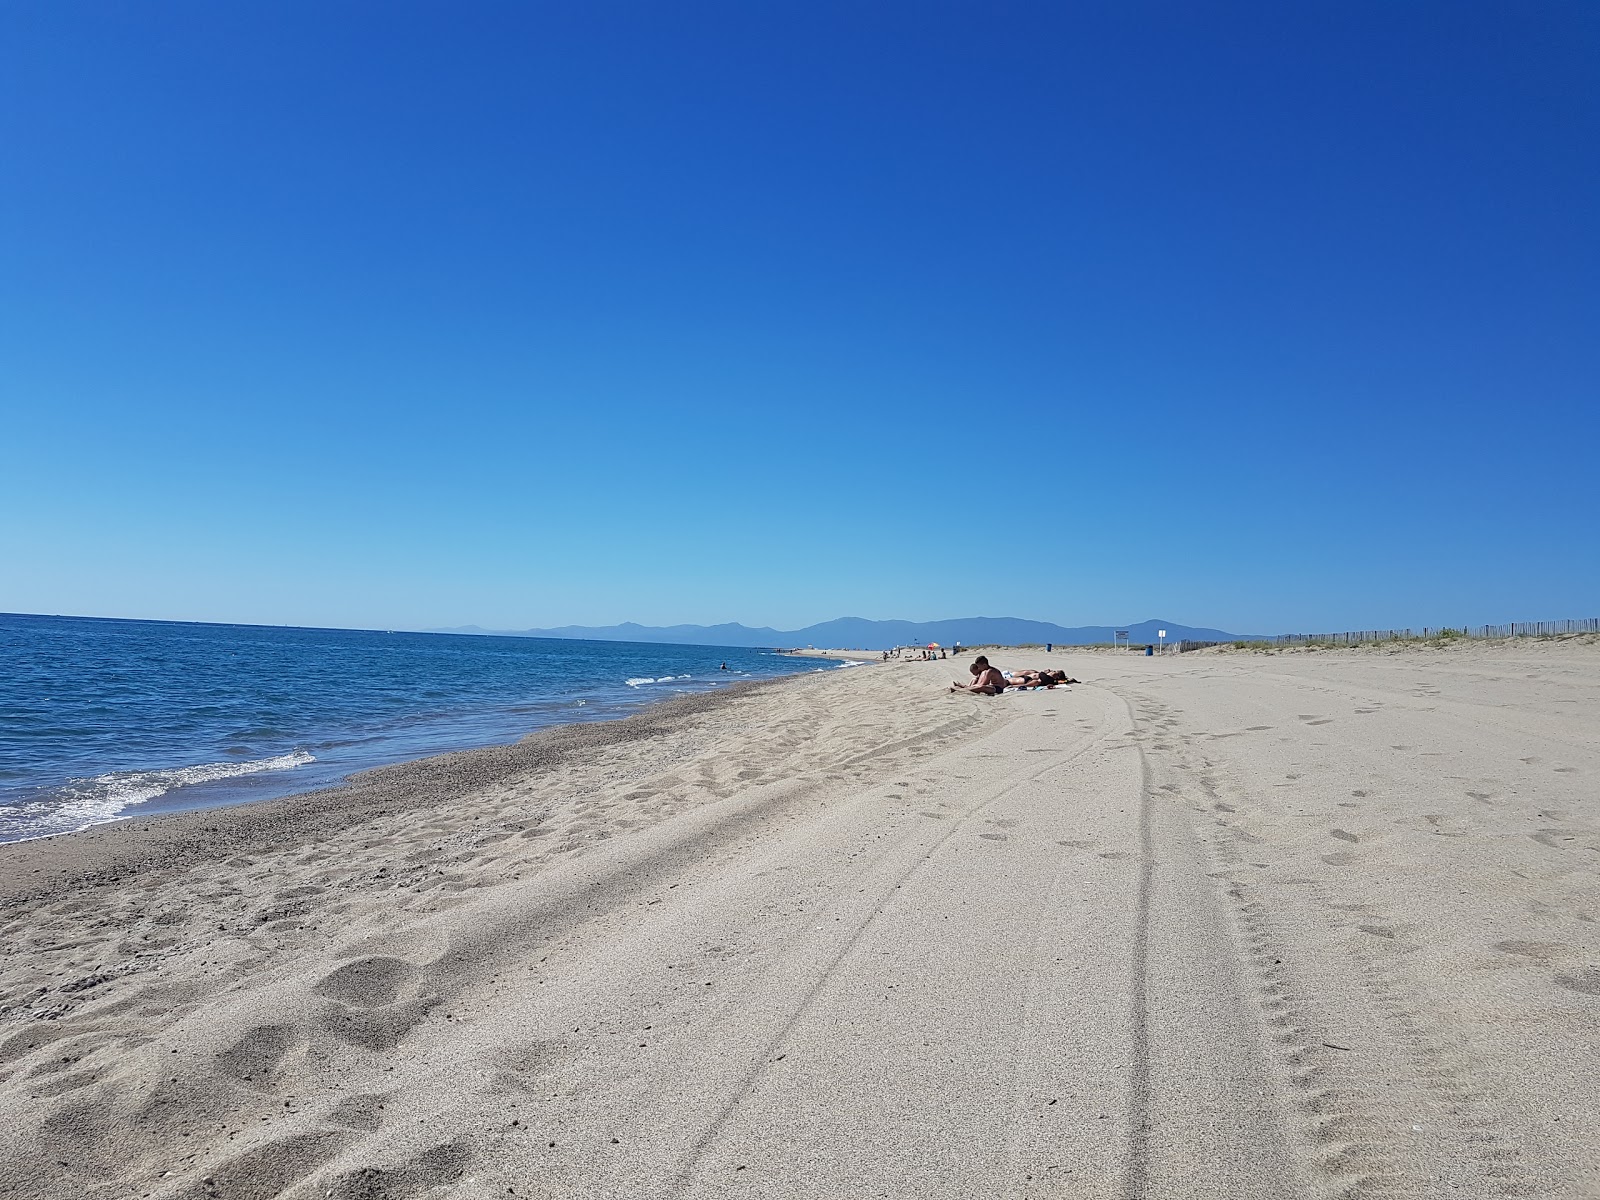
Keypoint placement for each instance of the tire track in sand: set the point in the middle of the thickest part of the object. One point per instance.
(1203, 1115)
(808, 1000)
(1358, 1076)
(1138, 1172)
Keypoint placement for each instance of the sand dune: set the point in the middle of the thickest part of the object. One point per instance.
(1221, 925)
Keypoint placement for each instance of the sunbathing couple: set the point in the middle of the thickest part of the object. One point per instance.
(986, 681)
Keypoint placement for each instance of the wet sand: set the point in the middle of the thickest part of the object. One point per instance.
(1307, 924)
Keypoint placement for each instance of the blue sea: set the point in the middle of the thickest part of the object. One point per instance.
(103, 720)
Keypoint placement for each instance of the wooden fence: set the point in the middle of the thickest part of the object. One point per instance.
(1515, 629)
(1360, 636)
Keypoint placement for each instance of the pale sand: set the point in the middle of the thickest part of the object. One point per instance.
(1213, 925)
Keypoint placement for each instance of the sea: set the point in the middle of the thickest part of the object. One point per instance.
(104, 720)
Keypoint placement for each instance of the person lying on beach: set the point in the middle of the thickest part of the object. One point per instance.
(1029, 678)
(986, 681)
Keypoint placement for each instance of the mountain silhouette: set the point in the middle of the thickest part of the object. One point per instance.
(858, 633)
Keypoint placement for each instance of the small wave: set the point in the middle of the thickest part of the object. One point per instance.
(79, 803)
(642, 680)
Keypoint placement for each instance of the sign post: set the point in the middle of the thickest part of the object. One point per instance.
(1119, 637)
(1161, 636)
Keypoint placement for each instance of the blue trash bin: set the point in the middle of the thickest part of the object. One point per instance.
(1149, 650)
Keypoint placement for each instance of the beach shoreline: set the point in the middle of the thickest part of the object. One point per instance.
(208, 716)
(844, 932)
(864, 656)
(115, 850)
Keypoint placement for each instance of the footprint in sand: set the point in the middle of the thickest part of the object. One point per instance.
(1556, 839)
(1436, 821)
(363, 1112)
(1538, 951)
(270, 1169)
(993, 837)
(1586, 981)
(439, 1167)
(522, 1068)
(365, 1009)
(62, 1084)
(254, 1058)
(1344, 835)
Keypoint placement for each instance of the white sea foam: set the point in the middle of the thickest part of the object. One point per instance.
(81, 803)
(642, 680)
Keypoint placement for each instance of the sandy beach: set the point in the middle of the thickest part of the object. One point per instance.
(1222, 924)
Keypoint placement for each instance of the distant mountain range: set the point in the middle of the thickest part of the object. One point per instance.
(858, 633)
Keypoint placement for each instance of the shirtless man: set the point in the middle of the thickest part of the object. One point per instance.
(986, 681)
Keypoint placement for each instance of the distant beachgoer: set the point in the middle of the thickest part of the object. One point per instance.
(986, 681)
(724, 667)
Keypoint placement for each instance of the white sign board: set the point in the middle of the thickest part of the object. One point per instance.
(1161, 633)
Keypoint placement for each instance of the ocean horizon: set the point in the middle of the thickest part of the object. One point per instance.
(103, 719)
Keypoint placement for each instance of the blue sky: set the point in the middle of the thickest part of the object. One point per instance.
(1265, 317)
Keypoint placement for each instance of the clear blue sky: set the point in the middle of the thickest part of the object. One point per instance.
(1256, 316)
